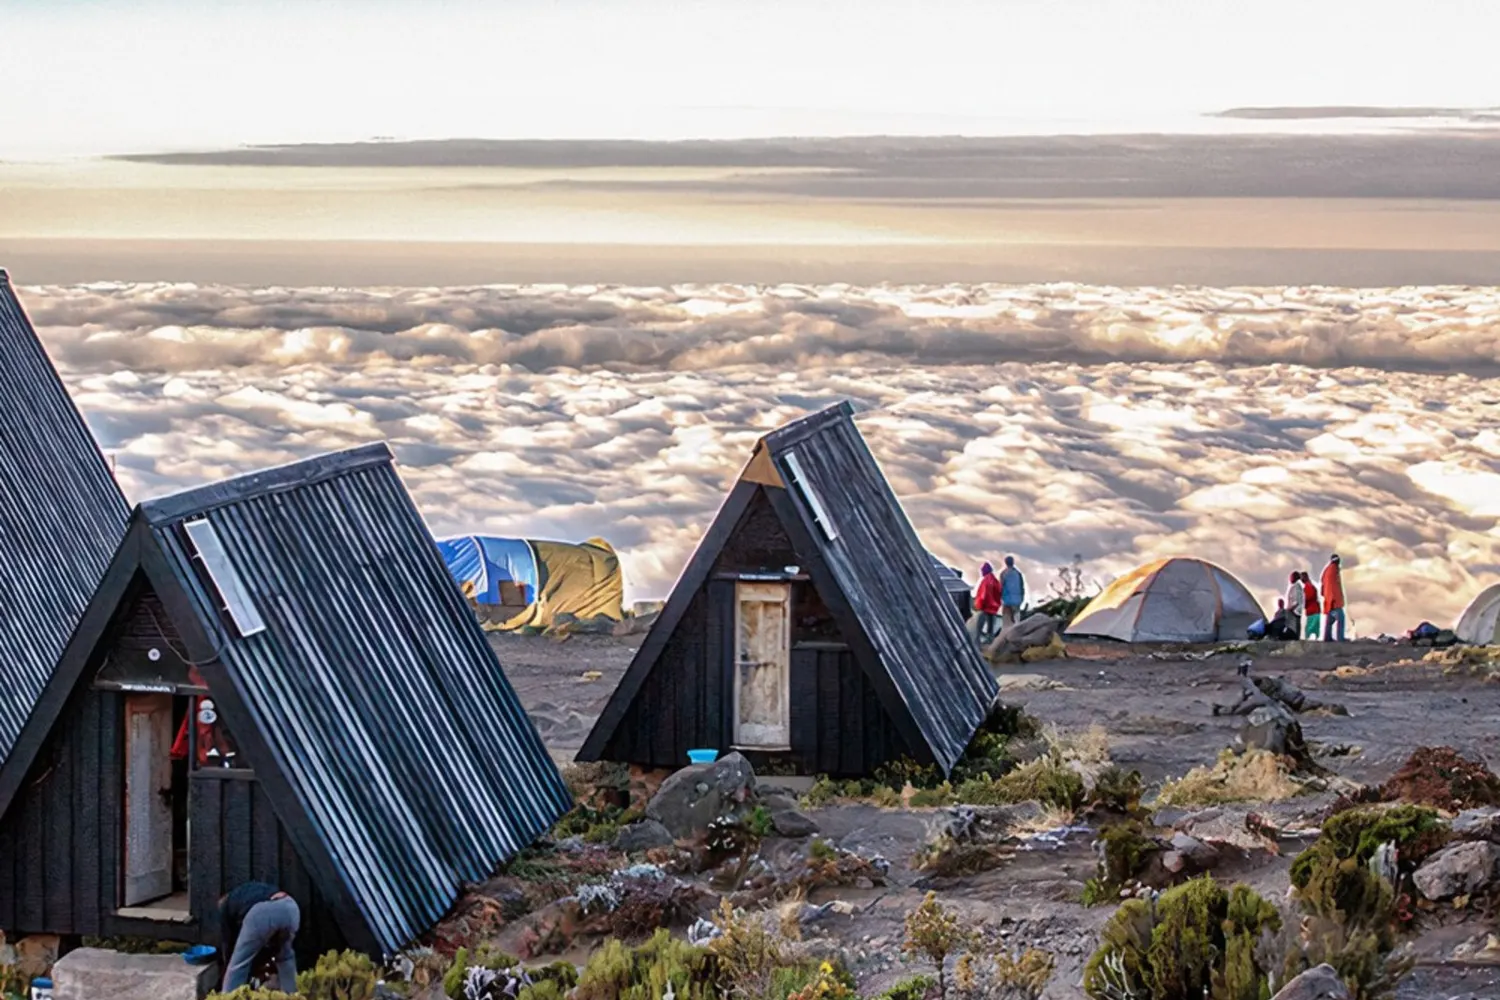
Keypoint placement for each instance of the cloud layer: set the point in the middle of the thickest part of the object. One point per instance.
(1258, 428)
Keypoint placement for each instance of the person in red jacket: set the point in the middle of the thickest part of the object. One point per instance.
(1333, 601)
(987, 603)
(1312, 608)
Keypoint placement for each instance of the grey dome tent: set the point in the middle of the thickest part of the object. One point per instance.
(1170, 600)
(1480, 622)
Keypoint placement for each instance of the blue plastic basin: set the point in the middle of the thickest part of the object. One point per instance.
(703, 756)
(199, 954)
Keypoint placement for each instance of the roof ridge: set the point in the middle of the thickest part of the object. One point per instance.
(262, 482)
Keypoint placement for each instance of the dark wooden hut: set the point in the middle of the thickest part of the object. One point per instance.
(808, 628)
(342, 725)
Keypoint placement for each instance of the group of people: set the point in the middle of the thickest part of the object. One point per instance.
(1311, 610)
(998, 599)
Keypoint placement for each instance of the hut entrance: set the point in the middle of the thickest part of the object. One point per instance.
(762, 656)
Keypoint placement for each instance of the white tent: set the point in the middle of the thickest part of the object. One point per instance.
(1170, 600)
(1480, 622)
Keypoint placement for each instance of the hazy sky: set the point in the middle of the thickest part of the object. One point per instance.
(83, 76)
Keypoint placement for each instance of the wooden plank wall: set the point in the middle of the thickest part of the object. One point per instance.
(60, 842)
(58, 857)
(839, 727)
(237, 838)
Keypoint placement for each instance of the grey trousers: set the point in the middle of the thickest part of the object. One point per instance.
(262, 925)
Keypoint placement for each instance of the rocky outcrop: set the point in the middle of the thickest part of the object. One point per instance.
(695, 796)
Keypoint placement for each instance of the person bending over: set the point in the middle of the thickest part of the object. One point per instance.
(257, 919)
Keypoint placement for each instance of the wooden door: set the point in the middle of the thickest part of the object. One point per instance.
(148, 797)
(762, 669)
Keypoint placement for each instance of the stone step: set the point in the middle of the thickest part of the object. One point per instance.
(98, 974)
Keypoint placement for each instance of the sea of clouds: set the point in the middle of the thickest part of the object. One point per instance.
(1259, 428)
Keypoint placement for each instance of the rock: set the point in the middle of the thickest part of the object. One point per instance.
(697, 795)
(636, 624)
(1318, 983)
(1274, 729)
(1458, 870)
(1173, 861)
(1197, 853)
(1477, 824)
(791, 823)
(1038, 631)
(776, 798)
(637, 838)
(91, 973)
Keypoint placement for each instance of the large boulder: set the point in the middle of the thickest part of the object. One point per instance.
(697, 795)
(1038, 631)
(1321, 982)
(1458, 870)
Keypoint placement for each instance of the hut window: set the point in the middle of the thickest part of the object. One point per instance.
(810, 497)
(762, 654)
(233, 594)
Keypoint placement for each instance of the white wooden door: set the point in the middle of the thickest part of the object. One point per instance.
(148, 797)
(762, 671)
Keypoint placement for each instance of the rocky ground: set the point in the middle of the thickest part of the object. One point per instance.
(1155, 704)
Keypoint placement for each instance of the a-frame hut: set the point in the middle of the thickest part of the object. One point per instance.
(808, 628)
(277, 679)
(61, 517)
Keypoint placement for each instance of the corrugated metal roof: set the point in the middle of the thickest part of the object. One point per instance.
(61, 517)
(886, 575)
(372, 685)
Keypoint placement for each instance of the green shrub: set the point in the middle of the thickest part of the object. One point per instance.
(1046, 780)
(1125, 848)
(928, 798)
(1333, 878)
(346, 975)
(615, 972)
(758, 823)
(483, 957)
(246, 993)
(542, 991)
(1117, 790)
(911, 988)
(1197, 941)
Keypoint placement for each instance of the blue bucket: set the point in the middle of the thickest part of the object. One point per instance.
(703, 756)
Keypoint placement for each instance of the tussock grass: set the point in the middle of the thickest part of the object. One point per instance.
(1254, 776)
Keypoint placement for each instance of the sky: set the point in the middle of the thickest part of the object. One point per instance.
(1256, 347)
(96, 76)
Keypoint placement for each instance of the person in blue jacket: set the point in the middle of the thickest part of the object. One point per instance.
(1012, 593)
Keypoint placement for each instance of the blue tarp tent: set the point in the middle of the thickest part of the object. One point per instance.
(519, 582)
(485, 563)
